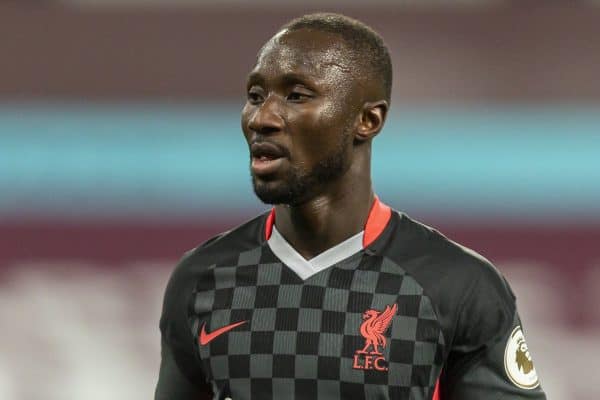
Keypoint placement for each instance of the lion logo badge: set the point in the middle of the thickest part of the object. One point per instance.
(518, 363)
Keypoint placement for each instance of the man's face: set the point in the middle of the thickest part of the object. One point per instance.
(299, 116)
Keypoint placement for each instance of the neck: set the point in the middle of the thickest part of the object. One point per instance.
(327, 219)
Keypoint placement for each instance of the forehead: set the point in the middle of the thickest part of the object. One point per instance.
(315, 54)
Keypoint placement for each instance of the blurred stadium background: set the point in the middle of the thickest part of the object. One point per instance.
(120, 149)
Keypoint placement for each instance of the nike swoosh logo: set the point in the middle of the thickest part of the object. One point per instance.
(206, 338)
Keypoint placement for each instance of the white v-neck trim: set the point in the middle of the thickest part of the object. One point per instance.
(306, 268)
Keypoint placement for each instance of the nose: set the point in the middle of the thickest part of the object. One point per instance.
(266, 118)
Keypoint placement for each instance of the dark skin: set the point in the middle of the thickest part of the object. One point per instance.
(310, 101)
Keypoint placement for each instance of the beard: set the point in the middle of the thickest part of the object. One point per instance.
(300, 185)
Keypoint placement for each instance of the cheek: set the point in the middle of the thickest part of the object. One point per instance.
(319, 130)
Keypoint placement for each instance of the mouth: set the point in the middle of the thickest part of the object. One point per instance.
(267, 157)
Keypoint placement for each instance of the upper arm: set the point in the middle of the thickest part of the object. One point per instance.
(173, 384)
(181, 375)
(502, 369)
(489, 358)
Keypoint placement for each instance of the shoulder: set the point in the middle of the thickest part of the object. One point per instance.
(425, 251)
(224, 248)
(458, 280)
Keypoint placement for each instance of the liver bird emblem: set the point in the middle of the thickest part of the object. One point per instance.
(374, 326)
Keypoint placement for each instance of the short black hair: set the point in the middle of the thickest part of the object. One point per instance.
(367, 44)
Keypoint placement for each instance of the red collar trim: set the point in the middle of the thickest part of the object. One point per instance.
(377, 220)
(269, 224)
(379, 216)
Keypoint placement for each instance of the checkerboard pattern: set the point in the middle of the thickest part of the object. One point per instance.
(301, 337)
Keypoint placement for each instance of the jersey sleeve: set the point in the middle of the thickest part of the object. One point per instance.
(489, 357)
(173, 384)
(180, 376)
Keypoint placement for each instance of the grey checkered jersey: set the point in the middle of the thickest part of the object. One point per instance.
(412, 315)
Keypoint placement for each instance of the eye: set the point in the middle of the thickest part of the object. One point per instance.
(299, 95)
(255, 95)
(295, 96)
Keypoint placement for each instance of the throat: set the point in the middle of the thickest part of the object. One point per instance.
(320, 225)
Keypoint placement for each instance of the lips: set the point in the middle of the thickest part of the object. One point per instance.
(267, 157)
(266, 150)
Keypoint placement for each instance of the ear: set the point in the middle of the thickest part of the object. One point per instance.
(371, 119)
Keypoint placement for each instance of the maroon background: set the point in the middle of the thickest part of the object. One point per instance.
(523, 51)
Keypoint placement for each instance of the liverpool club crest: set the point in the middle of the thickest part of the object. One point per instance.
(373, 329)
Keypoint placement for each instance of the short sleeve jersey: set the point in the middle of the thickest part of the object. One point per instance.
(397, 312)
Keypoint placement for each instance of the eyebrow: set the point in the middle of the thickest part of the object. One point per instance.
(255, 77)
(290, 78)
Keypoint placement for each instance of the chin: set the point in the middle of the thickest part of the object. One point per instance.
(293, 189)
(271, 192)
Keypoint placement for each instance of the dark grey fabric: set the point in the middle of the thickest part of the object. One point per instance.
(450, 313)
